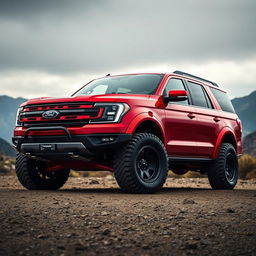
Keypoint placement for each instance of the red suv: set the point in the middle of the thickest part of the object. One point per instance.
(137, 125)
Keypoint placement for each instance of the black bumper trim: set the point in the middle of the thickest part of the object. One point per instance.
(58, 147)
(92, 143)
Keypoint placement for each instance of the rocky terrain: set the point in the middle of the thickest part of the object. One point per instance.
(91, 216)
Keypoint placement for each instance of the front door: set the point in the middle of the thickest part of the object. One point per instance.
(179, 124)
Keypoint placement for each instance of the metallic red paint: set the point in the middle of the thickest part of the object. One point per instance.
(177, 93)
(187, 130)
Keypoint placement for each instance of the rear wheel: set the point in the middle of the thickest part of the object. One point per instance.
(223, 172)
(32, 174)
(141, 167)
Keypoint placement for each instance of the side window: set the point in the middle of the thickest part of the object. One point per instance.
(208, 100)
(223, 100)
(175, 84)
(199, 95)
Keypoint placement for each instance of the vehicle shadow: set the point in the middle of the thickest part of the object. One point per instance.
(119, 191)
(165, 190)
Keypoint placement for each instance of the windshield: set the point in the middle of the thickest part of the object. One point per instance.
(131, 84)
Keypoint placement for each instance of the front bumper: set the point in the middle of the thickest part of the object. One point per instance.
(78, 147)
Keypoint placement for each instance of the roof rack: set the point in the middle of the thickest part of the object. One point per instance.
(196, 77)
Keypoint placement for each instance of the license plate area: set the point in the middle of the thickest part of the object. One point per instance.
(49, 147)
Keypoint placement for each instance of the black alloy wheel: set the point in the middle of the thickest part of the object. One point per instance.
(147, 164)
(142, 165)
(223, 171)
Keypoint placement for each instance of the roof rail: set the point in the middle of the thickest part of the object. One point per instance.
(196, 77)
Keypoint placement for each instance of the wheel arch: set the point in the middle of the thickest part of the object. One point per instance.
(225, 136)
(145, 123)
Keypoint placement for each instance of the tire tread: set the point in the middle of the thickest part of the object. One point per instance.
(25, 171)
(124, 173)
(216, 172)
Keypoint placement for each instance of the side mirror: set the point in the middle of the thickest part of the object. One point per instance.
(177, 95)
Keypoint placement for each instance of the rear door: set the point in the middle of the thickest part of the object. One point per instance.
(208, 121)
(179, 123)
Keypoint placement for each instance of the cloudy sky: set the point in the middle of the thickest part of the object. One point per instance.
(51, 48)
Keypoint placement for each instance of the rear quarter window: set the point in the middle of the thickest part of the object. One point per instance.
(199, 96)
(223, 100)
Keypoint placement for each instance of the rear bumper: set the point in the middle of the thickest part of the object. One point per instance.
(60, 148)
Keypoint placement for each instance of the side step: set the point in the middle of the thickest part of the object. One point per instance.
(188, 160)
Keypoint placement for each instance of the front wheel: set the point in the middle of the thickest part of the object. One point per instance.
(142, 166)
(223, 172)
(32, 174)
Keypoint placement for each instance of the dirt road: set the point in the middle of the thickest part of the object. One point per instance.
(90, 216)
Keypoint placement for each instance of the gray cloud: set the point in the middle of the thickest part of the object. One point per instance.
(95, 36)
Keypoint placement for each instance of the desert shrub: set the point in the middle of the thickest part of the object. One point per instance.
(7, 165)
(247, 167)
(251, 174)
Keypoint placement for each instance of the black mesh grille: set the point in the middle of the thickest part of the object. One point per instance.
(65, 114)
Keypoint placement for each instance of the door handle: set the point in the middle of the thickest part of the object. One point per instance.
(191, 115)
(216, 119)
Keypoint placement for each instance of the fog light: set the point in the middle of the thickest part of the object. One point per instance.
(107, 139)
(110, 118)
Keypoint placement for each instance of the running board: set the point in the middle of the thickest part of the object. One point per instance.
(190, 160)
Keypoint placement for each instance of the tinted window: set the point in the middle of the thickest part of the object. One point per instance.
(208, 100)
(132, 84)
(223, 100)
(198, 95)
(175, 84)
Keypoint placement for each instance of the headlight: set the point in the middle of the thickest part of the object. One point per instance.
(17, 123)
(112, 113)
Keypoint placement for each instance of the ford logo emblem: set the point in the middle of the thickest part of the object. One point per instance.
(50, 114)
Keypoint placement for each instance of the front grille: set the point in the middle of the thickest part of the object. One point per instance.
(69, 114)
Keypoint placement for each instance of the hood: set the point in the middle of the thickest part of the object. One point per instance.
(88, 98)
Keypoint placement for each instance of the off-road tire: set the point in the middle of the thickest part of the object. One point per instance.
(219, 175)
(127, 164)
(32, 174)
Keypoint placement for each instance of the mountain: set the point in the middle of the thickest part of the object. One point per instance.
(8, 110)
(245, 108)
(249, 144)
(6, 149)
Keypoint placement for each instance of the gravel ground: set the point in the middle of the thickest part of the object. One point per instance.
(91, 216)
